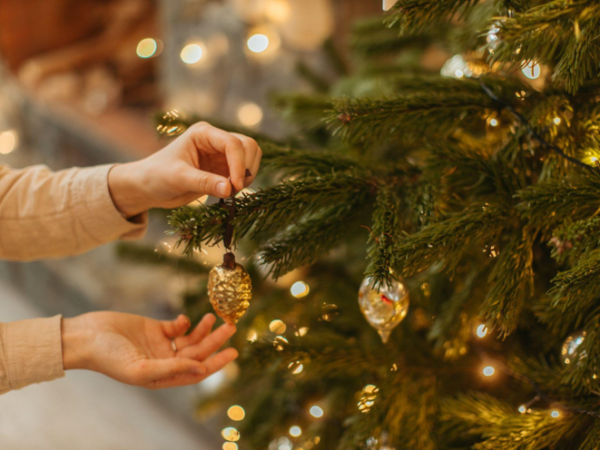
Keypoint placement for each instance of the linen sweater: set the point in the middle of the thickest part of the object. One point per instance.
(45, 214)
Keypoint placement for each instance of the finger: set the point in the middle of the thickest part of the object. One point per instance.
(200, 332)
(251, 151)
(205, 183)
(149, 370)
(206, 137)
(219, 360)
(256, 164)
(210, 344)
(177, 327)
(178, 380)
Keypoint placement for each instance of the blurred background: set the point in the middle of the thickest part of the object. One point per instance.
(80, 83)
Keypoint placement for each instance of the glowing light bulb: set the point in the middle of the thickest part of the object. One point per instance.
(146, 48)
(316, 411)
(236, 413)
(230, 446)
(494, 122)
(295, 431)
(8, 142)
(531, 70)
(299, 289)
(459, 73)
(481, 331)
(522, 409)
(555, 414)
(192, 53)
(488, 371)
(258, 43)
(230, 434)
(557, 120)
(277, 326)
(593, 158)
(250, 114)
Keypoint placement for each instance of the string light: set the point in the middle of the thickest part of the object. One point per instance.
(192, 53)
(557, 120)
(531, 70)
(494, 122)
(481, 331)
(488, 371)
(316, 411)
(249, 114)
(295, 431)
(8, 142)
(299, 289)
(555, 414)
(236, 413)
(522, 409)
(258, 43)
(277, 326)
(147, 48)
(252, 335)
(230, 434)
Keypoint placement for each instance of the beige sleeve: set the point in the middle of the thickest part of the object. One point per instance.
(30, 352)
(46, 215)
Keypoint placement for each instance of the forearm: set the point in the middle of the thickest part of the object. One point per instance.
(45, 214)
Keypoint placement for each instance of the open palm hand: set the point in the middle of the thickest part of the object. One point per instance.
(146, 352)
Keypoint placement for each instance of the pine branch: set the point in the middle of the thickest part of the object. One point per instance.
(147, 255)
(310, 240)
(447, 240)
(562, 33)
(511, 284)
(415, 15)
(384, 236)
(271, 209)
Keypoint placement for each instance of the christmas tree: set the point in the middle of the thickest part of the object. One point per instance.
(473, 192)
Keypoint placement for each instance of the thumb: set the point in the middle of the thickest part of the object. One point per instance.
(206, 183)
(151, 370)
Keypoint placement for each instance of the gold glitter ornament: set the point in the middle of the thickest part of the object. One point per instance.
(384, 308)
(229, 289)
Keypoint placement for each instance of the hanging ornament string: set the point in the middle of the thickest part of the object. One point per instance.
(228, 230)
(531, 130)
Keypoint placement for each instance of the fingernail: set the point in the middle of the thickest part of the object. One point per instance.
(222, 188)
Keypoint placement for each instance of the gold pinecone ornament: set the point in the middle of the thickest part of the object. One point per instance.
(229, 289)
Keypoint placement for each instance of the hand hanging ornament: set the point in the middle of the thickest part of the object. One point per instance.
(383, 308)
(229, 285)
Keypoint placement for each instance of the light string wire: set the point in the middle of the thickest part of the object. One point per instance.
(531, 130)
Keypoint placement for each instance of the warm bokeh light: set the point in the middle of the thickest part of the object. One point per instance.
(531, 69)
(295, 431)
(258, 43)
(277, 326)
(236, 413)
(481, 331)
(252, 335)
(277, 11)
(299, 289)
(557, 121)
(522, 409)
(230, 434)
(316, 411)
(147, 48)
(555, 414)
(8, 142)
(192, 53)
(494, 122)
(488, 371)
(250, 114)
(230, 446)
